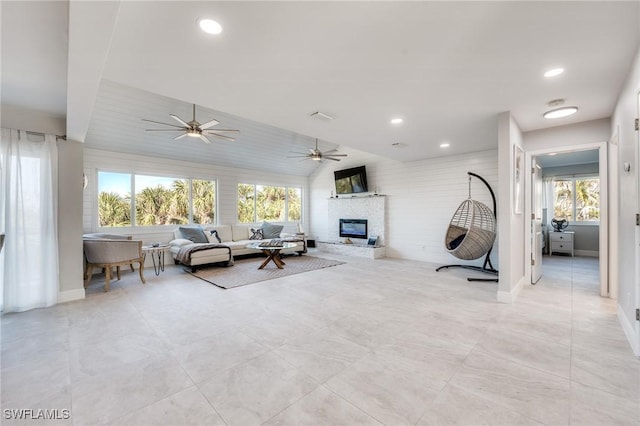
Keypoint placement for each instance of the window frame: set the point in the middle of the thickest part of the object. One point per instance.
(138, 228)
(573, 180)
(286, 201)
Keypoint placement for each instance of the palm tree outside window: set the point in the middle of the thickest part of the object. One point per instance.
(577, 199)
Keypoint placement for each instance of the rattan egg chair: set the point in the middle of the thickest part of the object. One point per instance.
(472, 232)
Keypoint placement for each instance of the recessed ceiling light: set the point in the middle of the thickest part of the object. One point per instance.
(396, 120)
(210, 26)
(399, 145)
(445, 145)
(554, 72)
(560, 112)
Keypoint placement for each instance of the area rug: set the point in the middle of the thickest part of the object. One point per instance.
(245, 271)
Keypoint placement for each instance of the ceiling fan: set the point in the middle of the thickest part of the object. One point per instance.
(193, 128)
(316, 155)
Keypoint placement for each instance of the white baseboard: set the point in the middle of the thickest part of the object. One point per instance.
(71, 295)
(587, 253)
(629, 331)
(511, 296)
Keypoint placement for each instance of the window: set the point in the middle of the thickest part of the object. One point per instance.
(246, 203)
(158, 200)
(204, 201)
(270, 201)
(114, 199)
(257, 203)
(161, 201)
(577, 199)
(294, 202)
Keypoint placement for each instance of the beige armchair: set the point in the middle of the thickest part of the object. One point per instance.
(106, 253)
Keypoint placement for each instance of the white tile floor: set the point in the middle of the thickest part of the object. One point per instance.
(369, 342)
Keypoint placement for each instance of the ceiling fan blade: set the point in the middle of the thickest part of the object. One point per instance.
(221, 130)
(330, 151)
(299, 156)
(332, 159)
(208, 124)
(226, 138)
(301, 153)
(159, 122)
(180, 137)
(180, 120)
(204, 139)
(336, 155)
(164, 130)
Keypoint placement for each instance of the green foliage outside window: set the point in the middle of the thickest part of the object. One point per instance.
(257, 203)
(577, 200)
(114, 210)
(295, 204)
(246, 203)
(166, 203)
(270, 201)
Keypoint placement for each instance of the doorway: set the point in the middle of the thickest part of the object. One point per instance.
(562, 184)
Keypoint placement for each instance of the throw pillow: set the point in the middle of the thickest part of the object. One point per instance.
(456, 241)
(214, 234)
(193, 233)
(256, 234)
(269, 230)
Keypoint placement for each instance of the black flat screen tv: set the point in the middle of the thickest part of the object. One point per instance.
(351, 181)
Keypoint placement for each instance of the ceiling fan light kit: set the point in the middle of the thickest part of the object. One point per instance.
(193, 128)
(316, 155)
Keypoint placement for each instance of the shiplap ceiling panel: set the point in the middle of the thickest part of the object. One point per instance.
(117, 126)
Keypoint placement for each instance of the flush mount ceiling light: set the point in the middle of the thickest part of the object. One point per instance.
(445, 145)
(396, 120)
(560, 112)
(554, 72)
(210, 26)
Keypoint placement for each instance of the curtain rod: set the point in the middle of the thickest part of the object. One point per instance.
(30, 132)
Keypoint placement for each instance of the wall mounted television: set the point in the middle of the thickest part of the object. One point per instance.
(351, 181)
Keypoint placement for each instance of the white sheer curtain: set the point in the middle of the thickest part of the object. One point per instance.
(28, 209)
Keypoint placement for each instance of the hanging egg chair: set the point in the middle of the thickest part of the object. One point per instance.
(472, 232)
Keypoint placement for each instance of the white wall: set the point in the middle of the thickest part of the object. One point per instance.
(511, 233)
(227, 190)
(626, 205)
(567, 136)
(421, 198)
(69, 220)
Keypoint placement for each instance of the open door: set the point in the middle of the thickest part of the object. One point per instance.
(537, 241)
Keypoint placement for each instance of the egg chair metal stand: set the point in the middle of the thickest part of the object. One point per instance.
(472, 232)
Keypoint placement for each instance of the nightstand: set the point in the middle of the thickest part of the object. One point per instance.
(561, 242)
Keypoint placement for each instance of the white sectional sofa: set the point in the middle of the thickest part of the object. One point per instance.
(236, 237)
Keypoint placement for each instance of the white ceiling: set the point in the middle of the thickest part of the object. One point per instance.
(447, 68)
(34, 55)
